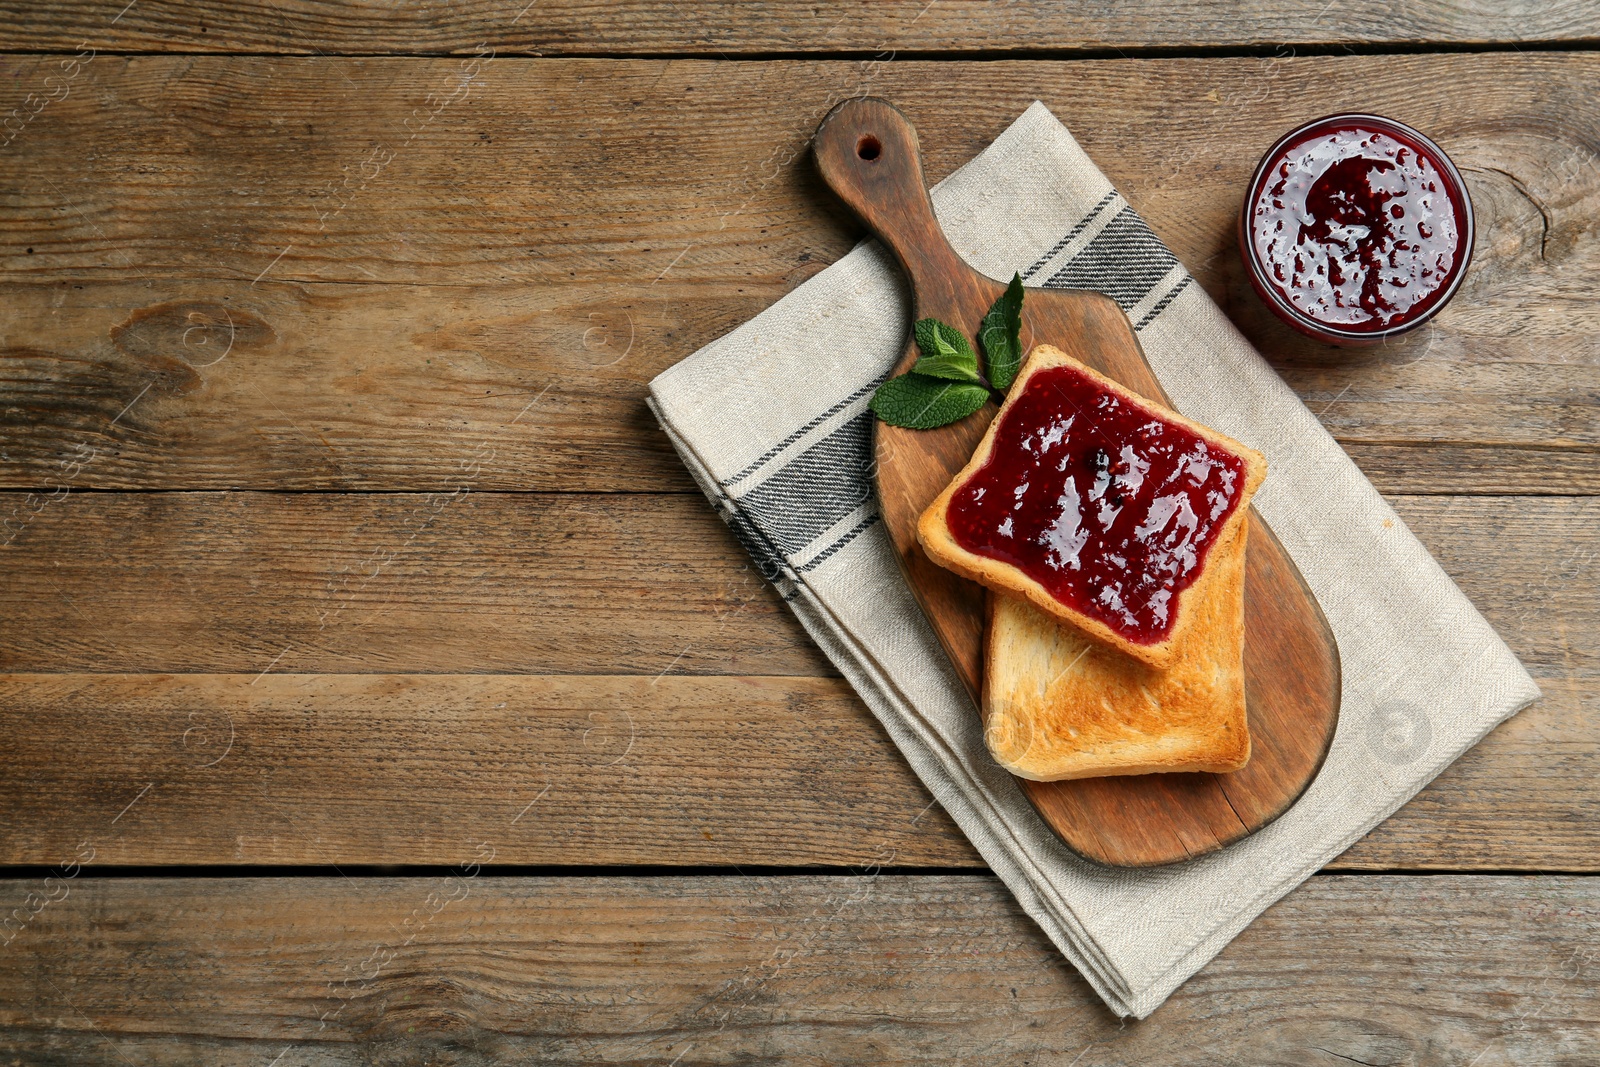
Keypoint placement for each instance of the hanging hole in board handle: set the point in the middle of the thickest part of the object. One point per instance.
(868, 147)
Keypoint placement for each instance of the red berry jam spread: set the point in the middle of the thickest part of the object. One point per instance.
(1108, 506)
(1358, 225)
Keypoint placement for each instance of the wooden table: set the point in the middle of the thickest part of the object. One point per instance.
(380, 690)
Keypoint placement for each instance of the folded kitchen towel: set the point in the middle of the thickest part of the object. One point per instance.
(772, 420)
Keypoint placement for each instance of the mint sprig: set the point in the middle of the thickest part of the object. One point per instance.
(1001, 336)
(944, 385)
(945, 353)
(918, 402)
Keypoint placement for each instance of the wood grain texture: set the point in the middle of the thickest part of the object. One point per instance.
(140, 587)
(193, 186)
(729, 28)
(494, 583)
(384, 769)
(868, 154)
(225, 769)
(342, 386)
(414, 251)
(458, 582)
(875, 969)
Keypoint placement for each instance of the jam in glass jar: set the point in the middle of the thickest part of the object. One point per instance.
(1356, 228)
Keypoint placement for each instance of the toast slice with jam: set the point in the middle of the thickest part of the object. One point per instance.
(1102, 509)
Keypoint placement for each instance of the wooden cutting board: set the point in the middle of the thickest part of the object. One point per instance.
(868, 154)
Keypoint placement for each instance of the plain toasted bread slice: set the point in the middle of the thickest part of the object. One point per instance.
(934, 533)
(1058, 705)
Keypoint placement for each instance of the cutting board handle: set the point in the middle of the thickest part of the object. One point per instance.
(868, 154)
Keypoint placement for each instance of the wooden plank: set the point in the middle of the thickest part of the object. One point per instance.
(344, 386)
(651, 587)
(867, 969)
(357, 387)
(459, 582)
(1542, 598)
(379, 769)
(560, 584)
(382, 769)
(653, 207)
(1483, 469)
(728, 28)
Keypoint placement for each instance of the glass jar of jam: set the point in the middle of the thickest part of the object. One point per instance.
(1356, 228)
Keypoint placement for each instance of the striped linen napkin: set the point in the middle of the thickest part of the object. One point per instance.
(772, 421)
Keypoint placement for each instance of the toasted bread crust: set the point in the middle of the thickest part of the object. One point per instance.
(933, 530)
(1058, 706)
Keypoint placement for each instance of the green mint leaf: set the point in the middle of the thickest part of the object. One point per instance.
(1001, 334)
(918, 402)
(945, 353)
